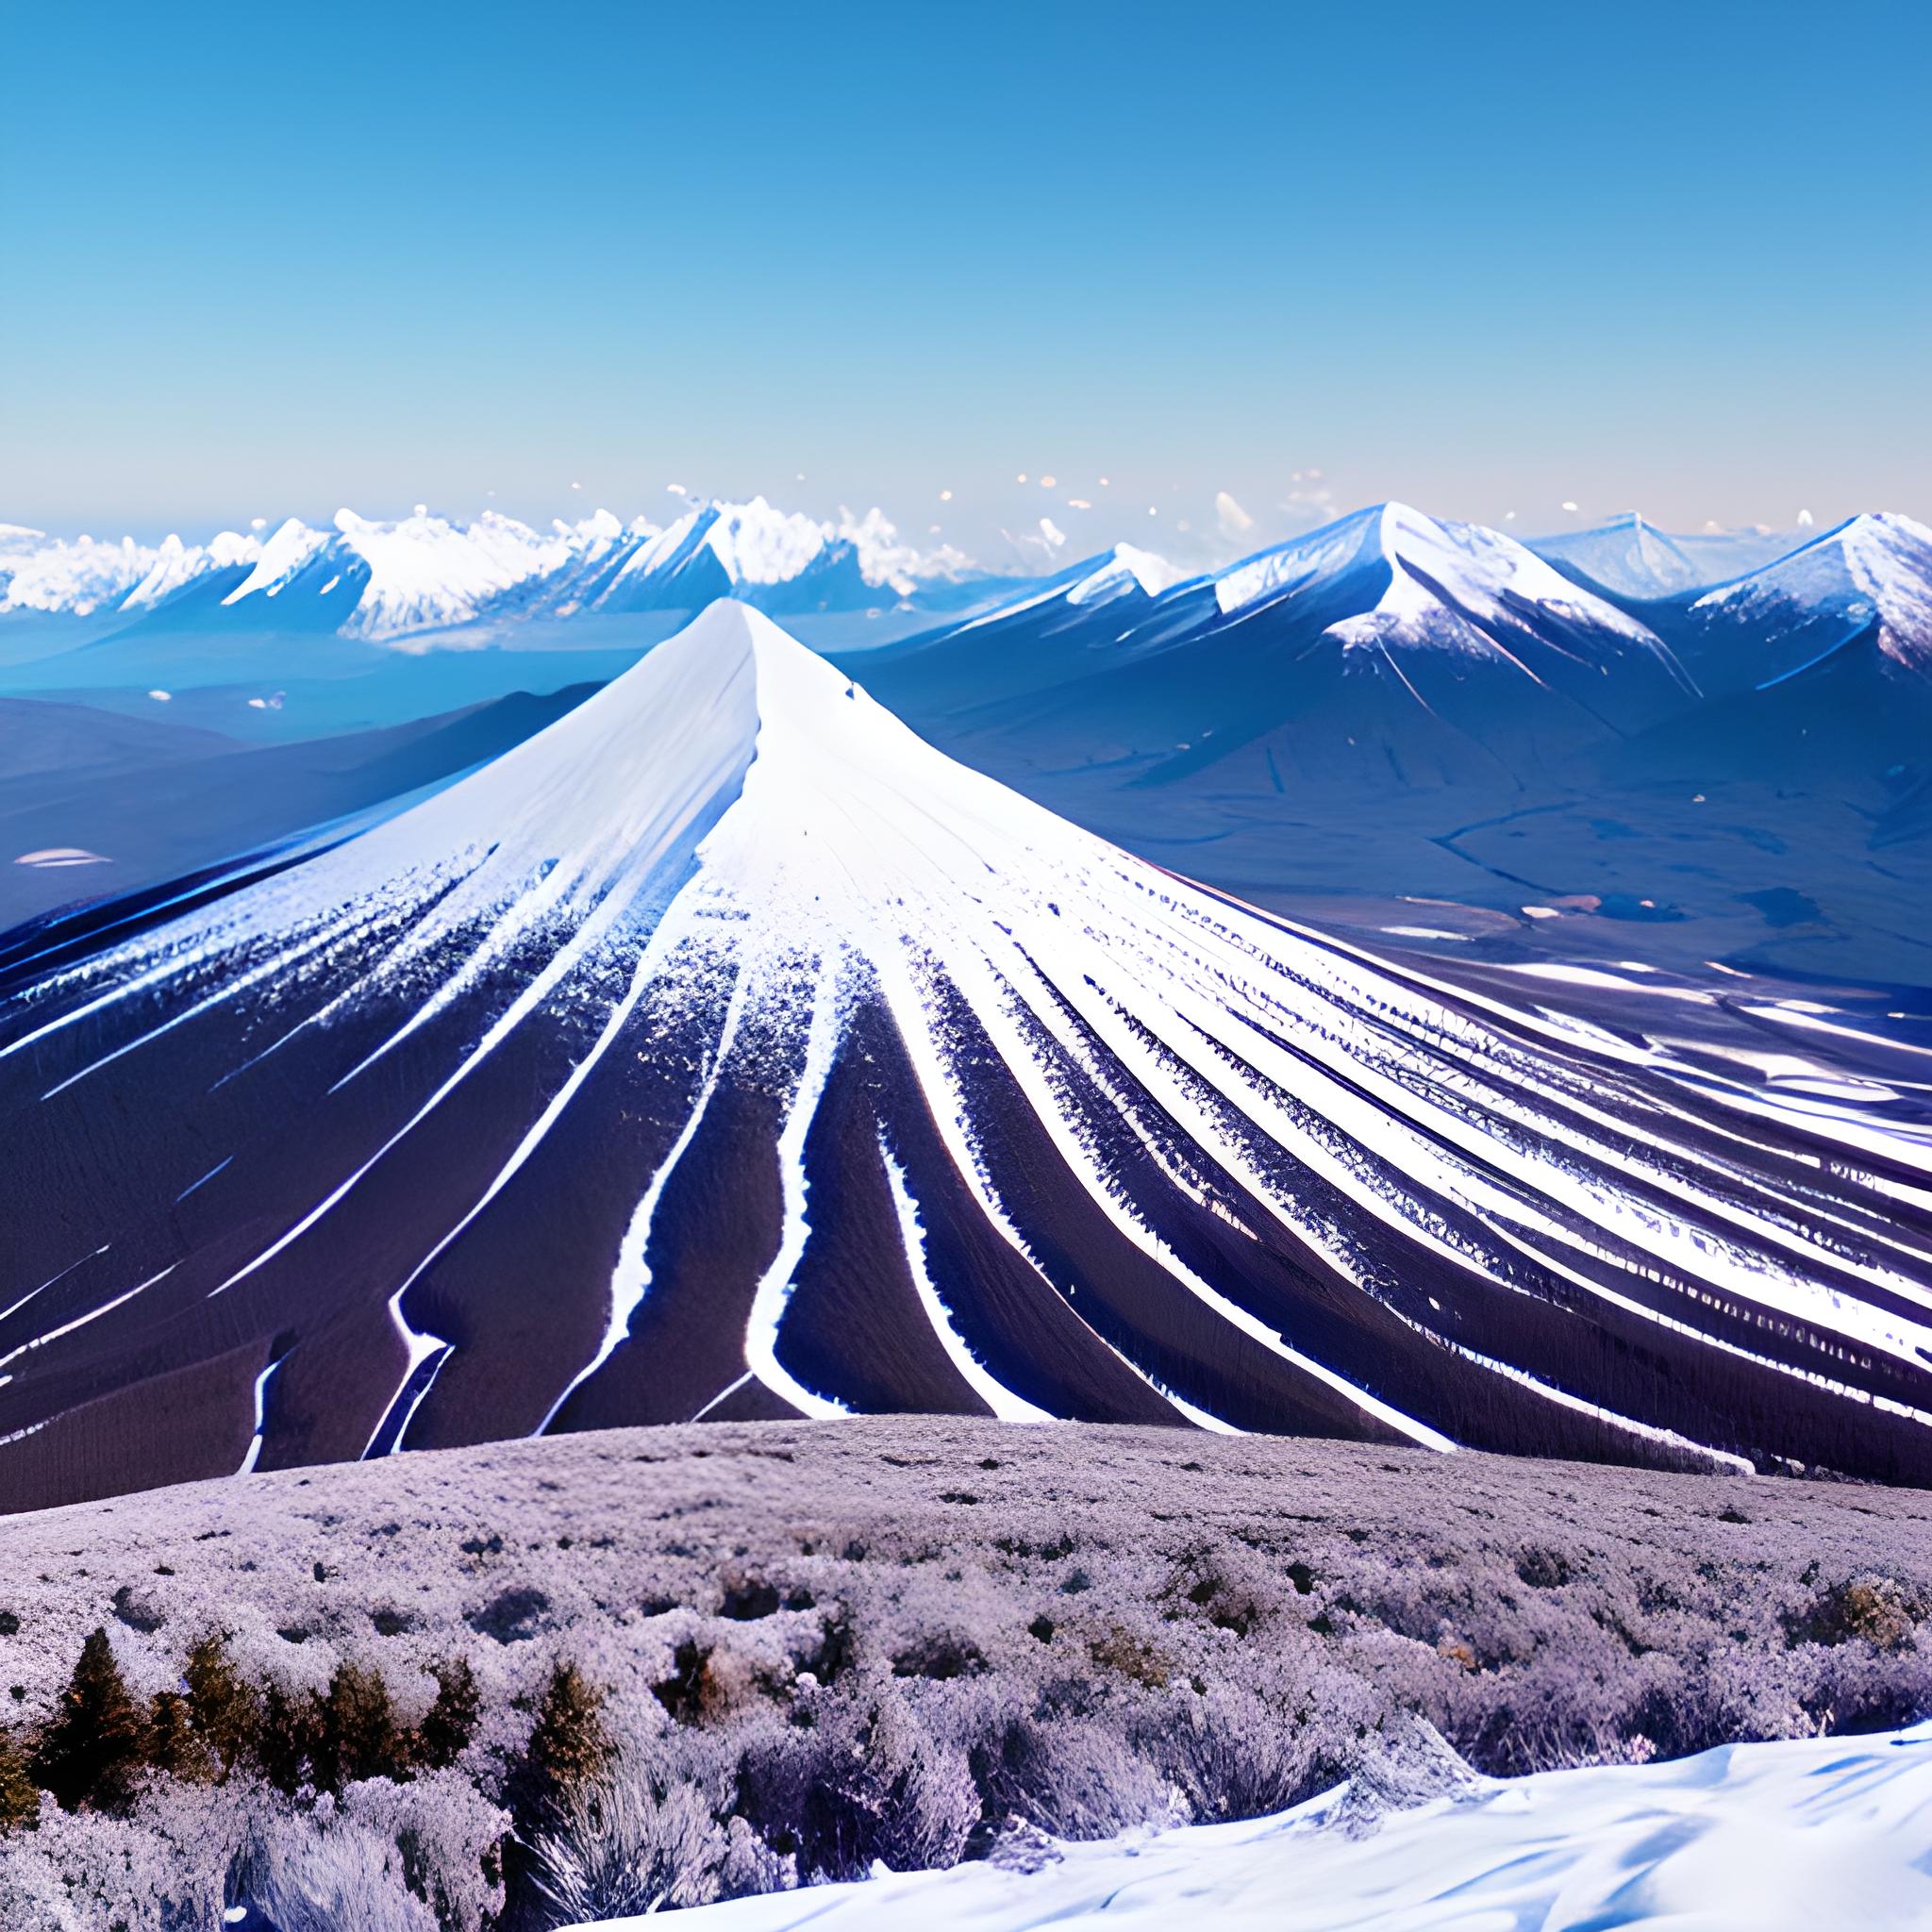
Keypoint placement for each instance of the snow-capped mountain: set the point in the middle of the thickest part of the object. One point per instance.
(725, 1050)
(775, 560)
(1438, 586)
(1871, 576)
(1388, 647)
(74, 577)
(178, 565)
(424, 573)
(1629, 557)
(1819, 674)
(1124, 572)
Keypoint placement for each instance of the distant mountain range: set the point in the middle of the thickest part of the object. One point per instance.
(723, 1050)
(1388, 648)
(428, 572)
(1392, 705)
(1629, 557)
(1405, 706)
(1393, 654)
(424, 573)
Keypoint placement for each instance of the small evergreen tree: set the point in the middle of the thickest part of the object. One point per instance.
(357, 1735)
(226, 1711)
(173, 1744)
(289, 1737)
(450, 1721)
(98, 1740)
(20, 1799)
(570, 1744)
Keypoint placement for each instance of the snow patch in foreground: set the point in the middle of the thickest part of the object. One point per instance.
(1751, 1837)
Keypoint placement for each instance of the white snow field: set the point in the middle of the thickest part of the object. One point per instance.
(1821, 1833)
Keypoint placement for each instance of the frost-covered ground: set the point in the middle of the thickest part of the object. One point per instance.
(1754, 1838)
(936, 1640)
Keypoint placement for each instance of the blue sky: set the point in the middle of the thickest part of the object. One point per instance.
(1667, 256)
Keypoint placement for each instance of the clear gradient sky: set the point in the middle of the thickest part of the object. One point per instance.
(266, 261)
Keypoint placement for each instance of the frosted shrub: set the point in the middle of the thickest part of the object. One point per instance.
(1073, 1779)
(159, 1871)
(570, 1742)
(92, 1750)
(616, 1847)
(869, 1780)
(323, 1871)
(225, 1707)
(1231, 1755)
(450, 1838)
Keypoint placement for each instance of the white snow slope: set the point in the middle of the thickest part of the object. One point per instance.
(1805, 1837)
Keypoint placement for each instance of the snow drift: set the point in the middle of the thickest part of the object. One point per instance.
(1748, 1839)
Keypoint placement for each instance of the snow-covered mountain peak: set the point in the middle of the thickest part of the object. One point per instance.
(293, 545)
(1122, 572)
(1885, 545)
(428, 572)
(843, 803)
(77, 577)
(1441, 585)
(177, 564)
(990, 1115)
(741, 543)
(1123, 567)
(1628, 555)
(1872, 569)
(815, 744)
(598, 528)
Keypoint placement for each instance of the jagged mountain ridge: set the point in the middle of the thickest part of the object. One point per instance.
(1386, 648)
(725, 1049)
(426, 573)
